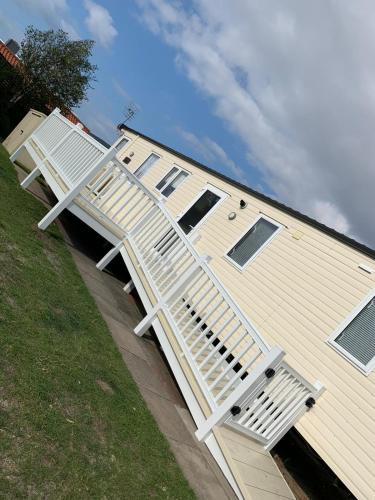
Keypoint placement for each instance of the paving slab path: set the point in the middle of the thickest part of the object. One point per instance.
(144, 361)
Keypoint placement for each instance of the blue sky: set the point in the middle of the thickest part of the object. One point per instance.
(137, 66)
(279, 95)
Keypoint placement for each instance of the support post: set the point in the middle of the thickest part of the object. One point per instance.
(146, 322)
(129, 287)
(13, 156)
(66, 201)
(109, 256)
(30, 178)
(251, 384)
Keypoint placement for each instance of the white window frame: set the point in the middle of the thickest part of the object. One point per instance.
(260, 249)
(365, 369)
(208, 187)
(143, 162)
(179, 169)
(118, 142)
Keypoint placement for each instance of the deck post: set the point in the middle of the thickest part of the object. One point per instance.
(250, 385)
(30, 178)
(146, 322)
(109, 256)
(129, 287)
(66, 201)
(14, 155)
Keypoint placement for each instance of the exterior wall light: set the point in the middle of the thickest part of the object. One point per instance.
(232, 215)
(243, 204)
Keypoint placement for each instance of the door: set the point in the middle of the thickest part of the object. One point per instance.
(200, 209)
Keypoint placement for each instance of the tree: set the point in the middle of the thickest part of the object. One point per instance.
(54, 70)
(9, 83)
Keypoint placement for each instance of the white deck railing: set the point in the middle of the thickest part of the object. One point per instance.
(66, 147)
(204, 318)
(246, 384)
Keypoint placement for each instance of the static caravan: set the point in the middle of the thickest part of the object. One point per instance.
(20, 133)
(266, 317)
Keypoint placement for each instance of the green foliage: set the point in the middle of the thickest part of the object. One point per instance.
(61, 435)
(10, 81)
(55, 70)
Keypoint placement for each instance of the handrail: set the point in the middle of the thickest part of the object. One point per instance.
(261, 342)
(188, 245)
(231, 361)
(173, 268)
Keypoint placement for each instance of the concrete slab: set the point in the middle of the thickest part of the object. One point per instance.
(167, 417)
(124, 342)
(146, 364)
(191, 460)
(155, 382)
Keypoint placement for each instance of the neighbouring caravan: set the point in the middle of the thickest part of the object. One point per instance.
(210, 257)
(20, 133)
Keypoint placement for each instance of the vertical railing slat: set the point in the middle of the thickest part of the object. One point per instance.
(224, 349)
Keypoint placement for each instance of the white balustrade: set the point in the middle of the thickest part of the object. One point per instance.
(269, 414)
(222, 347)
(70, 151)
(246, 384)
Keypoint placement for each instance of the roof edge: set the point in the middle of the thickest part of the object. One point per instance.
(361, 247)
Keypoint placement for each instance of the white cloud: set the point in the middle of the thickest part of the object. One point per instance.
(54, 12)
(329, 214)
(212, 152)
(50, 10)
(69, 28)
(295, 81)
(100, 23)
(10, 28)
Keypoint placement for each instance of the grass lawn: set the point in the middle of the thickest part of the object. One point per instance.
(61, 434)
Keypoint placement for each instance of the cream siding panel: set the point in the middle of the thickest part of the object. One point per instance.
(281, 256)
(350, 386)
(296, 291)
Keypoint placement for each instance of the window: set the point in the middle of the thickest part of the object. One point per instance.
(146, 165)
(122, 143)
(171, 181)
(355, 338)
(165, 180)
(199, 210)
(256, 238)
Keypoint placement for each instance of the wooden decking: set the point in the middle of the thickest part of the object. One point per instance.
(255, 471)
(241, 394)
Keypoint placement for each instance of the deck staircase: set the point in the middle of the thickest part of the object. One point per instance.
(227, 372)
